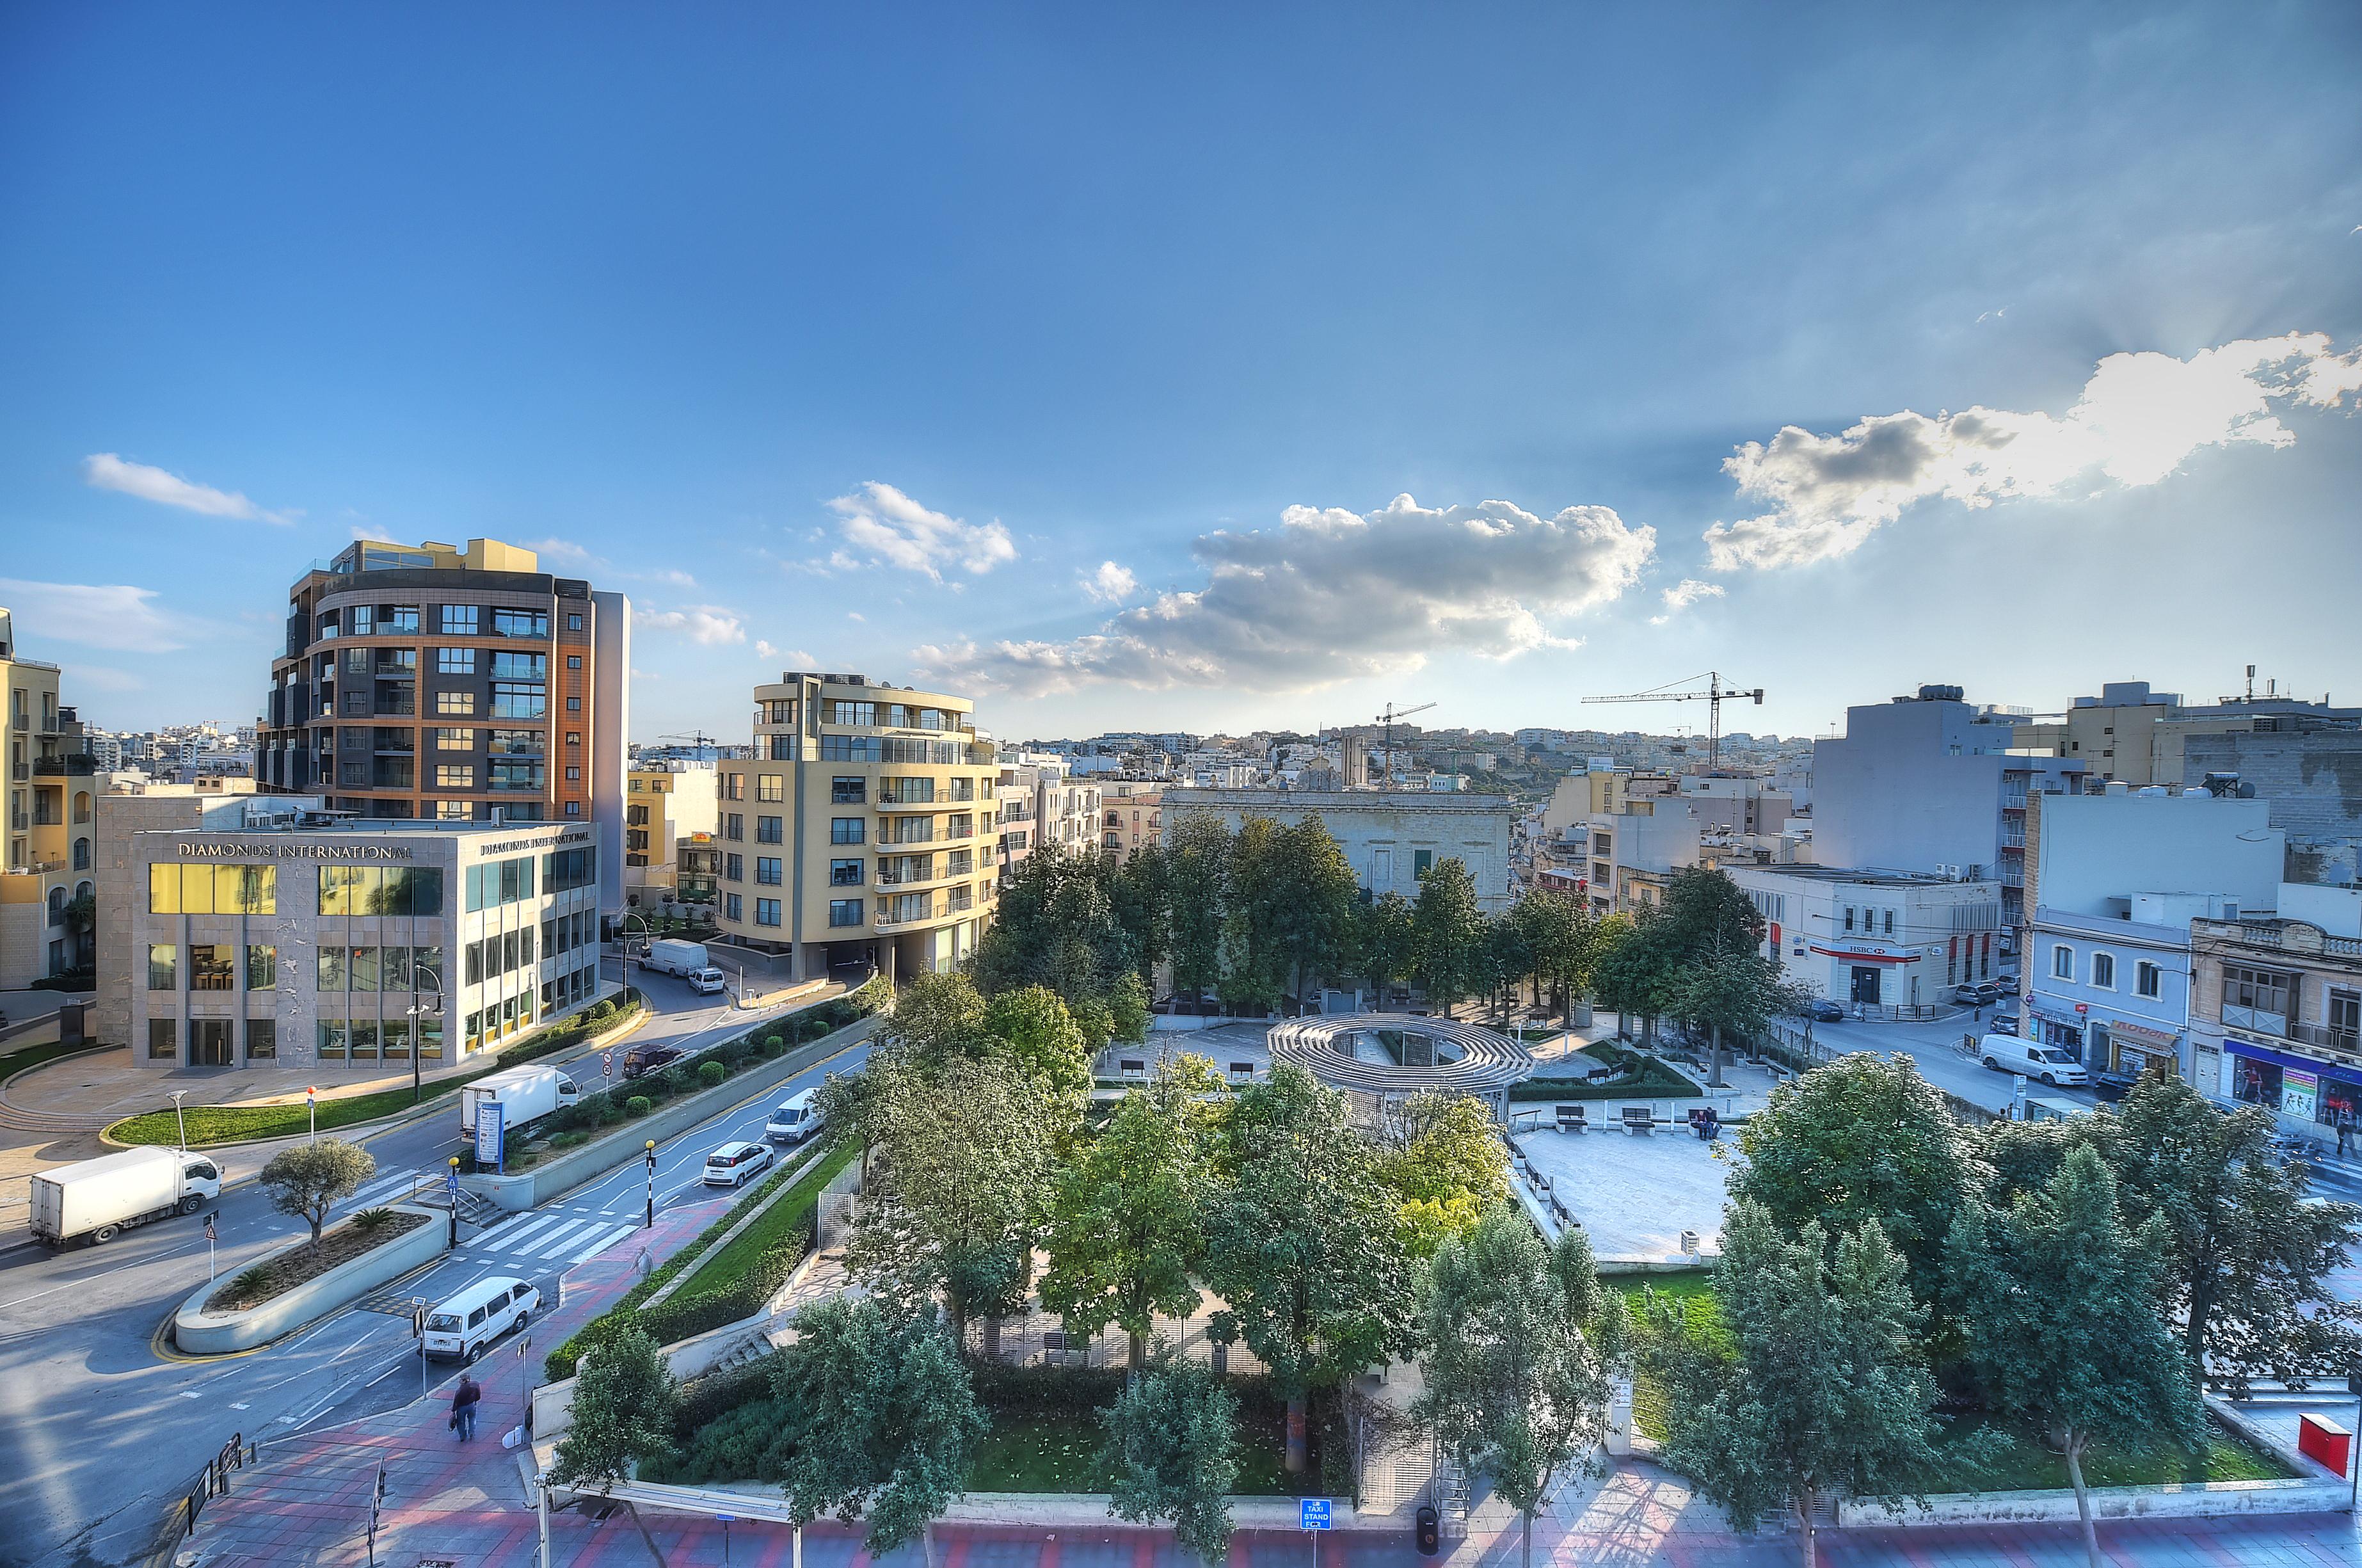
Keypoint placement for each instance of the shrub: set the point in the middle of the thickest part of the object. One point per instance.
(773, 1045)
(637, 1106)
(570, 1140)
(611, 1112)
(600, 1011)
(713, 1073)
(370, 1220)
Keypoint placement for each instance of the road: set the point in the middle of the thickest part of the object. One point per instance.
(103, 1423)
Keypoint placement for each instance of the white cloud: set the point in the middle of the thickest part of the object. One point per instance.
(1333, 595)
(707, 623)
(105, 470)
(2139, 418)
(673, 575)
(1111, 584)
(796, 657)
(1684, 594)
(890, 526)
(564, 549)
(110, 615)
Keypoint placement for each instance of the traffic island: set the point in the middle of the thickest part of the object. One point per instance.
(297, 1284)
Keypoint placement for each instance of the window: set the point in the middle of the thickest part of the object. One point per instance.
(777, 710)
(2062, 963)
(847, 749)
(734, 827)
(472, 964)
(734, 785)
(769, 829)
(163, 967)
(455, 702)
(1422, 861)
(574, 661)
(261, 966)
(574, 704)
(848, 792)
(455, 740)
(2148, 980)
(847, 830)
(363, 618)
(845, 873)
(1890, 923)
(771, 786)
(460, 620)
(261, 1039)
(766, 870)
(861, 714)
(2255, 998)
(330, 969)
(519, 700)
(520, 666)
(212, 968)
(455, 776)
(766, 912)
(2344, 1018)
(515, 773)
(455, 661)
(574, 737)
(520, 622)
(733, 867)
(574, 623)
(574, 775)
(734, 906)
(164, 1039)
(843, 912)
(213, 889)
(2103, 970)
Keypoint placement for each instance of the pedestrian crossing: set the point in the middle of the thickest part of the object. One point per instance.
(386, 1187)
(549, 1239)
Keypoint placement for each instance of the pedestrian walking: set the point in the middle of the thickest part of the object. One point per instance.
(463, 1407)
(2344, 1129)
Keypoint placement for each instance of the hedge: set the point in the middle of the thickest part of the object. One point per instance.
(241, 1124)
(1653, 1080)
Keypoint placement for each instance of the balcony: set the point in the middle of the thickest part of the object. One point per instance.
(2329, 1037)
(64, 767)
(907, 920)
(2255, 1019)
(885, 804)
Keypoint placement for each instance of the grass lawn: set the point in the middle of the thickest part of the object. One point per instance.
(34, 1055)
(1694, 1288)
(788, 1217)
(1060, 1453)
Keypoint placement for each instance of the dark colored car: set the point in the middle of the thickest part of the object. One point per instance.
(2112, 1086)
(2003, 1024)
(1824, 1011)
(642, 1059)
(1979, 994)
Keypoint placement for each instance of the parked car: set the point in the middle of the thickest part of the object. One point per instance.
(737, 1163)
(2002, 1023)
(461, 1328)
(1978, 993)
(1823, 1011)
(642, 1059)
(2008, 1054)
(2113, 1086)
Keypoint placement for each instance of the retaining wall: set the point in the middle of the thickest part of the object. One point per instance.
(199, 1332)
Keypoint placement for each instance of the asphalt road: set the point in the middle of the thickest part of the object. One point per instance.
(1935, 1047)
(102, 1424)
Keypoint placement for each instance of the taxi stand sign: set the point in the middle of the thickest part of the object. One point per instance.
(1312, 1518)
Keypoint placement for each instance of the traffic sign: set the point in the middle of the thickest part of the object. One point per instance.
(1315, 1513)
(490, 1128)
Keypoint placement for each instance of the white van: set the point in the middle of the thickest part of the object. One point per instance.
(705, 982)
(2008, 1054)
(796, 1119)
(463, 1325)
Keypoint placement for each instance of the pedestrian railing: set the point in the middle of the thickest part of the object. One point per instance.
(212, 1481)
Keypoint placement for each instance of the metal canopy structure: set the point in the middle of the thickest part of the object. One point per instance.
(1437, 1056)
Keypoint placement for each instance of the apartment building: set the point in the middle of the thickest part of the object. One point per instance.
(299, 937)
(863, 831)
(2276, 1008)
(2133, 736)
(667, 803)
(431, 682)
(49, 792)
(1884, 939)
(1042, 802)
(1392, 838)
(2313, 779)
(1131, 816)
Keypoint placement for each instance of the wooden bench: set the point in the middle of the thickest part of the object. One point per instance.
(1571, 1119)
(1639, 1121)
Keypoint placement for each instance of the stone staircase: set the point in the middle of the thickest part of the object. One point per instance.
(435, 1192)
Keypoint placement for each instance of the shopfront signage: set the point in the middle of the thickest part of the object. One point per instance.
(270, 850)
(2298, 1093)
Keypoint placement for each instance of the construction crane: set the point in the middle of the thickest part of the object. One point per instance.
(696, 738)
(1387, 719)
(1712, 695)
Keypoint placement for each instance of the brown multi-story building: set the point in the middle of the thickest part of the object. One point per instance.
(2275, 1013)
(461, 685)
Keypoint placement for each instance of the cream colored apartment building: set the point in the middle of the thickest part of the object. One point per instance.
(863, 830)
(665, 804)
(50, 791)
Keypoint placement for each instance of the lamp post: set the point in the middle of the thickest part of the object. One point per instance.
(182, 1118)
(651, 1222)
(419, 1013)
(624, 940)
(454, 1193)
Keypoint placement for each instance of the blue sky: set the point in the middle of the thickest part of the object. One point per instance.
(1077, 355)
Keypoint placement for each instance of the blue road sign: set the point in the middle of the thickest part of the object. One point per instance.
(1315, 1513)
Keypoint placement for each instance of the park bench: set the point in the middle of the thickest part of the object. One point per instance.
(1639, 1121)
(1571, 1119)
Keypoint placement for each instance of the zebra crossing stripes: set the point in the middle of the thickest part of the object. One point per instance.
(549, 1238)
(386, 1185)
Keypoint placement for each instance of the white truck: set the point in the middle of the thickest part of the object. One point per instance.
(669, 956)
(524, 1095)
(96, 1200)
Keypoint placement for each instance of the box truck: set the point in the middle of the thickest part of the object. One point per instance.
(95, 1200)
(669, 956)
(525, 1095)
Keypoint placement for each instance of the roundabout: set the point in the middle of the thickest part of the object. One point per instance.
(1395, 1055)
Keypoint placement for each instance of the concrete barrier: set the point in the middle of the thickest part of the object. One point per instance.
(530, 1189)
(199, 1332)
(2197, 1499)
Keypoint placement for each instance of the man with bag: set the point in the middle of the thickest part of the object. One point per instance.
(463, 1407)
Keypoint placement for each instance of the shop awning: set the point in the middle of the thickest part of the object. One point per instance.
(2344, 1072)
(2142, 1035)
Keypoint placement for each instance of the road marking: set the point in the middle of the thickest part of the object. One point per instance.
(606, 1241)
(238, 1403)
(559, 1241)
(191, 1394)
(507, 1228)
(510, 1239)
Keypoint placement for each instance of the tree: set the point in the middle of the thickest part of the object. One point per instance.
(1130, 1017)
(1446, 1169)
(1559, 935)
(1634, 970)
(1143, 907)
(939, 1014)
(309, 1180)
(1123, 1230)
(1861, 1138)
(953, 1202)
(1819, 1389)
(1504, 959)
(1383, 942)
(1315, 890)
(1173, 1454)
(1197, 874)
(2060, 1307)
(622, 1416)
(1055, 924)
(1253, 914)
(1032, 1028)
(1448, 934)
(1516, 1384)
(1706, 911)
(2249, 1248)
(887, 1420)
(1304, 1243)
(1728, 990)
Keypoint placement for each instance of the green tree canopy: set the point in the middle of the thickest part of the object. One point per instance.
(1144, 907)
(2061, 1309)
(1636, 968)
(1197, 874)
(1706, 911)
(1304, 1242)
(1055, 924)
(1385, 942)
(307, 1180)
(1447, 935)
(1124, 1226)
(939, 1014)
(1034, 1030)
(622, 1416)
(1726, 992)
(1446, 1167)
(1818, 1390)
(1314, 893)
(1861, 1138)
(1172, 1452)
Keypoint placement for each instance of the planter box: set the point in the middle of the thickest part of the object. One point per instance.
(199, 1332)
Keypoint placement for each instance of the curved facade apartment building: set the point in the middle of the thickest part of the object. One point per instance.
(429, 682)
(863, 829)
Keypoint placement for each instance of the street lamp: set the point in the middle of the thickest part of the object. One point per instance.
(419, 1013)
(650, 1223)
(454, 1193)
(624, 941)
(181, 1117)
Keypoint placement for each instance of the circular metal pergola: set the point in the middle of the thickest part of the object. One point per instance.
(1461, 1059)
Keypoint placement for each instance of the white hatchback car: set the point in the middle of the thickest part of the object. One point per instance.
(736, 1164)
(461, 1328)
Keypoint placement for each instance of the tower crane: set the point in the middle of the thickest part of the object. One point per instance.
(1387, 719)
(1712, 694)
